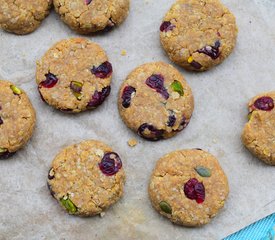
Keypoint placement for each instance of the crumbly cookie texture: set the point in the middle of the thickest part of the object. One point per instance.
(21, 16)
(74, 75)
(86, 178)
(189, 187)
(17, 118)
(86, 16)
(259, 133)
(198, 34)
(155, 101)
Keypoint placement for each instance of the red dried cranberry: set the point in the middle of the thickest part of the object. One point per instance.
(156, 82)
(211, 51)
(51, 81)
(172, 119)
(166, 26)
(264, 103)
(99, 97)
(110, 164)
(154, 133)
(87, 2)
(1, 121)
(127, 96)
(194, 190)
(103, 71)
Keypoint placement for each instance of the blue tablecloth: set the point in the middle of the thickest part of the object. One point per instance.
(261, 230)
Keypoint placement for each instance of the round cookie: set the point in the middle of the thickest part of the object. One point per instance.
(189, 187)
(17, 119)
(198, 34)
(155, 101)
(21, 16)
(88, 16)
(74, 75)
(86, 178)
(259, 133)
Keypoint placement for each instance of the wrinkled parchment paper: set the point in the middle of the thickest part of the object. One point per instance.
(28, 211)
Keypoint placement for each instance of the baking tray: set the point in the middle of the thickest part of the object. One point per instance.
(27, 209)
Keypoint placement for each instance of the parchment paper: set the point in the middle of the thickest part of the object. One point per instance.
(28, 211)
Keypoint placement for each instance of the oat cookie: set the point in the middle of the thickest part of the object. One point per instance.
(189, 187)
(259, 132)
(155, 101)
(17, 119)
(86, 178)
(74, 75)
(88, 16)
(198, 34)
(21, 16)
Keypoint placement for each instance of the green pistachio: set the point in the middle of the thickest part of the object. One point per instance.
(15, 90)
(165, 207)
(203, 171)
(177, 87)
(68, 204)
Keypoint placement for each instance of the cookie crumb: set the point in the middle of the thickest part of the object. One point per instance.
(123, 52)
(102, 214)
(132, 142)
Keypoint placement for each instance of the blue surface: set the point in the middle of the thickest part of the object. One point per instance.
(261, 230)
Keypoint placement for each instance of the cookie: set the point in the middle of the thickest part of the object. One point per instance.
(74, 75)
(188, 187)
(88, 16)
(86, 178)
(17, 119)
(155, 101)
(21, 16)
(259, 133)
(198, 34)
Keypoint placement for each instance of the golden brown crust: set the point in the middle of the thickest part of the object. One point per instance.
(167, 184)
(21, 16)
(197, 24)
(76, 174)
(259, 133)
(95, 16)
(18, 118)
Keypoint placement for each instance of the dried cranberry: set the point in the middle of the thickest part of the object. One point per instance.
(99, 97)
(166, 26)
(211, 51)
(87, 2)
(264, 103)
(1, 121)
(110, 164)
(194, 190)
(196, 65)
(51, 81)
(127, 96)
(183, 124)
(5, 155)
(172, 119)
(103, 71)
(153, 134)
(156, 82)
(50, 189)
(51, 174)
(43, 99)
